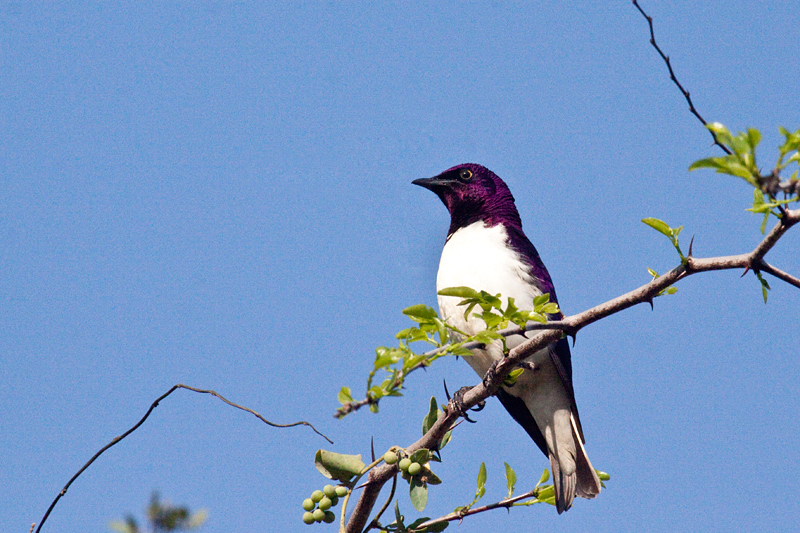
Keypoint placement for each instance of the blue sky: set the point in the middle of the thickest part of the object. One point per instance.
(219, 195)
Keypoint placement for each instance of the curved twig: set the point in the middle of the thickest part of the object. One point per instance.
(674, 79)
(116, 440)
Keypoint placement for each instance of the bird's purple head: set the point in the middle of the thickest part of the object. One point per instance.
(472, 192)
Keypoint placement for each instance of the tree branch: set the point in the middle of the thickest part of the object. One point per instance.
(675, 79)
(551, 332)
(116, 440)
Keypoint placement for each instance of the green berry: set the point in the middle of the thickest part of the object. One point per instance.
(316, 496)
(308, 504)
(414, 468)
(334, 500)
(390, 457)
(308, 518)
(405, 462)
(329, 491)
(325, 503)
(319, 515)
(329, 517)
(341, 491)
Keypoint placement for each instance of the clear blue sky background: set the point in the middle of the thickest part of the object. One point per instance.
(220, 195)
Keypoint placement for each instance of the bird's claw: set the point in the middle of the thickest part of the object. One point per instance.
(458, 402)
(490, 374)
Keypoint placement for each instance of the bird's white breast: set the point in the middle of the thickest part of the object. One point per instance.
(479, 257)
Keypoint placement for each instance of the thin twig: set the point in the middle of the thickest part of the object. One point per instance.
(502, 504)
(675, 79)
(763, 266)
(116, 440)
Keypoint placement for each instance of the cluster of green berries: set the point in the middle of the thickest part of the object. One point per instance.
(317, 507)
(408, 466)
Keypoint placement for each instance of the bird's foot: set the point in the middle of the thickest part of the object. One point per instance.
(491, 374)
(458, 402)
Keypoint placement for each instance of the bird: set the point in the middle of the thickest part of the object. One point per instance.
(486, 249)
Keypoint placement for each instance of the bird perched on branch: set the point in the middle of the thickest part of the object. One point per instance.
(486, 249)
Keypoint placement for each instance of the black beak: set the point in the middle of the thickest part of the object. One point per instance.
(428, 183)
(433, 184)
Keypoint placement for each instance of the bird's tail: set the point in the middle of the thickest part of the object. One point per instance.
(582, 481)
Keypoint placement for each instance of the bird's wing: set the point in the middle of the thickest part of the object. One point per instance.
(560, 355)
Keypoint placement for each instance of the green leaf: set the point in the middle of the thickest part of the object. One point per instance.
(481, 482)
(547, 494)
(602, 475)
(658, 225)
(512, 377)
(435, 528)
(344, 396)
(550, 308)
(541, 299)
(764, 285)
(708, 162)
(461, 292)
(753, 137)
(420, 313)
(420, 456)
(338, 466)
(418, 491)
(511, 480)
(430, 418)
(445, 439)
(545, 477)
(486, 336)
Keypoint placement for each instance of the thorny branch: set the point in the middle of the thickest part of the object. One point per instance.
(116, 440)
(675, 79)
(552, 331)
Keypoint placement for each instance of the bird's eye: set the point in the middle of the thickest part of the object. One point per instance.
(465, 174)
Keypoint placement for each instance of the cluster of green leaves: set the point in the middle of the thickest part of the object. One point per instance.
(741, 162)
(163, 517)
(398, 362)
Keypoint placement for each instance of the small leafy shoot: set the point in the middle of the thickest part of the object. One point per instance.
(671, 233)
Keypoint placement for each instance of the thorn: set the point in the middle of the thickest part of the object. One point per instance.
(690, 247)
(446, 392)
(480, 406)
(468, 419)
(746, 270)
(574, 338)
(372, 447)
(650, 301)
